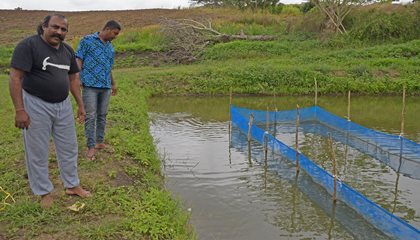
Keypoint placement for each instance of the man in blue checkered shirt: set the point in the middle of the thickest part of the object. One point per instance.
(95, 57)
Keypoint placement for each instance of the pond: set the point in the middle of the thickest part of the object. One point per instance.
(233, 197)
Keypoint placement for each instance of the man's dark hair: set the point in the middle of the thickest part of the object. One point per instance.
(112, 24)
(46, 21)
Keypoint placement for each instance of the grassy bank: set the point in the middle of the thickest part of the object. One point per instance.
(289, 68)
(378, 55)
(285, 66)
(129, 199)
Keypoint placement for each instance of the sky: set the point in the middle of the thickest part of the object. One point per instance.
(87, 5)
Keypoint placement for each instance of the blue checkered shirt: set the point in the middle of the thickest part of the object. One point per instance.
(98, 59)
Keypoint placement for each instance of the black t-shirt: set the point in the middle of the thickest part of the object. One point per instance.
(46, 68)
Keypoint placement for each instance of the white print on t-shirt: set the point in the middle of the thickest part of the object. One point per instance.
(45, 64)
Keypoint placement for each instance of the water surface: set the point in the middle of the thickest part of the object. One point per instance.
(231, 197)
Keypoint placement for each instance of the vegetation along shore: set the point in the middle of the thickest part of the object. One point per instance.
(267, 49)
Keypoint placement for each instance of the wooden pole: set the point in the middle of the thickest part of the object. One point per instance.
(251, 118)
(334, 168)
(398, 176)
(266, 139)
(316, 92)
(347, 132)
(275, 122)
(230, 95)
(297, 139)
(403, 113)
(266, 120)
(348, 105)
(275, 99)
(230, 117)
(335, 177)
(401, 150)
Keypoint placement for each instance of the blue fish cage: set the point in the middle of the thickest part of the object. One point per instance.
(401, 154)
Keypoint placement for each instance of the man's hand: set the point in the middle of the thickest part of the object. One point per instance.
(75, 91)
(81, 114)
(22, 119)
(113, 90)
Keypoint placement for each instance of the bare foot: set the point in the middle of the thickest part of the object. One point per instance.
(100, 146)
(79, 191)
(90, 154)
(47, 200)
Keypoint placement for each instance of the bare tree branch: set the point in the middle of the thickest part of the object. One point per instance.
(337, 10)
(187, 38)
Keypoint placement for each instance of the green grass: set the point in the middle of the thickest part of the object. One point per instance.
(145, 39)
(5, 56)
(130, 203)
(287, 67)
(129, 198)
(252, 28)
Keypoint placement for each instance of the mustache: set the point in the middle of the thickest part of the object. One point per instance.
(59, 36)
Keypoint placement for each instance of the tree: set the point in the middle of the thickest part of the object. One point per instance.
(307, 6)
(242, 4)
(337, 10)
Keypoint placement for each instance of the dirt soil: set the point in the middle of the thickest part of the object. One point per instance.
(18, 24)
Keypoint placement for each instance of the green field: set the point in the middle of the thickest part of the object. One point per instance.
(130, 200)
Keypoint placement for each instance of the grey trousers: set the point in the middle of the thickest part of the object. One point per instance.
(48, 119)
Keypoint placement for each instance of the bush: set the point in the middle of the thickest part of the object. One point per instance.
(291, 10)
(306, 7)
(379, 25)
(276, 9)
(312, 21)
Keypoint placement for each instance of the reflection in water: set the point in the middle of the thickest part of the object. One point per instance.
(381, 113)
(301, 183)
(232, 199)
(398, 177)
(375, 180)
(330, 232)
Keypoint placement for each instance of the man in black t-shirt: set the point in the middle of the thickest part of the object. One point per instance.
(43, 70)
